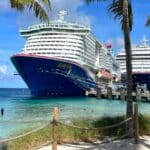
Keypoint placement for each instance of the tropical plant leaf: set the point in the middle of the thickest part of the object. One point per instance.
(33, 5)
(47, 3)
(17, 4)
(39, 11)
(148, 21)
(116, 9)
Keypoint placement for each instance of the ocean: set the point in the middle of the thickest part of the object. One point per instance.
(19, 106)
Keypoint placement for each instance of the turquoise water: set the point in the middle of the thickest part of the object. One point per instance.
(18, 105)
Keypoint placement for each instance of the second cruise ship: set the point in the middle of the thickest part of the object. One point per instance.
(62, 58)
(140, 64)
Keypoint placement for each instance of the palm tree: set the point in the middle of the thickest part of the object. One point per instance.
(38, 6)
(122, 11)
(148, 21)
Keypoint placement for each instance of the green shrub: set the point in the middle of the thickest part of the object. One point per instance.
(71, 135)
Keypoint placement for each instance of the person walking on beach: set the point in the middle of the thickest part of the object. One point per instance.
(2, 111)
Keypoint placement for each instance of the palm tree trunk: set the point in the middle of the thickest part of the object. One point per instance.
(127, 41)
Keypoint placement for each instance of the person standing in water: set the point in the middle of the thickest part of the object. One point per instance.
(2, 111)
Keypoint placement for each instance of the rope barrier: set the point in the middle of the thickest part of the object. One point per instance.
(19, 121)
(42, 145)
(100, 128)
(25, 134)
(111, 140)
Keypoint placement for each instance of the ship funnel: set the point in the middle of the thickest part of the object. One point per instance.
(62, 14)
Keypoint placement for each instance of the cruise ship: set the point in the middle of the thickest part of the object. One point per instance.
(62, 58)
(140, 64)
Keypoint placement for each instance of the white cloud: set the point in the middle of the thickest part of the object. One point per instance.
(3, 69)
(68, 5)
(71, 6)
(27, 18)
(118, 42)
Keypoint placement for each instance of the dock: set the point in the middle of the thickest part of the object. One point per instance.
(143, 96)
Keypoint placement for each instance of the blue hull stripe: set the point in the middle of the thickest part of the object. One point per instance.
(50, 77)
(141, 78)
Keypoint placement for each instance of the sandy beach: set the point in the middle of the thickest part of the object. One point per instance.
(126, 144)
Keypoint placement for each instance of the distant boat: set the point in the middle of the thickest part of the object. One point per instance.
(140, 64)
(61, 58)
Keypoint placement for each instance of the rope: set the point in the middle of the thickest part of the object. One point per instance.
(100, 128)
(25, 134)
(125, 136)
(42, 145)
(19, 121)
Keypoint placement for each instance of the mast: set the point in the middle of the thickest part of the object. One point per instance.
(144, 41)
(62, 15)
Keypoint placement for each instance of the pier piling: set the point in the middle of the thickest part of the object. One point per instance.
(138, 94)
(99, 92)
(109, 92)
(122, 94)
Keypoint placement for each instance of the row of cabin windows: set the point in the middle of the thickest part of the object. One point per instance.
(69, 46)
(60, 53)
(62, 41)
(60, 48)
(57, 50)
(51, 37)
(55, 37)
(53, 44)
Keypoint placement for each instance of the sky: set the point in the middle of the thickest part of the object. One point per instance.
(95, 15)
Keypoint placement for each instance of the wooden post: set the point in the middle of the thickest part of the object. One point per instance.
(122, 94)
(148, 95)
(138, 95)
(99, 92)
(116, 95)
(109, 92)
(136, 124)
(3, 146)
(54, 128)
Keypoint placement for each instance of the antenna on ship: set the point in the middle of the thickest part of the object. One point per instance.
(62, 14)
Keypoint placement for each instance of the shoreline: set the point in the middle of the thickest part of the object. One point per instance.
(125, 144)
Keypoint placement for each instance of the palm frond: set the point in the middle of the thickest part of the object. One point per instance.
(17, 4)
(116, 9)
(148, 21)
(39, 11)
(47, 4)
(33, 5)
